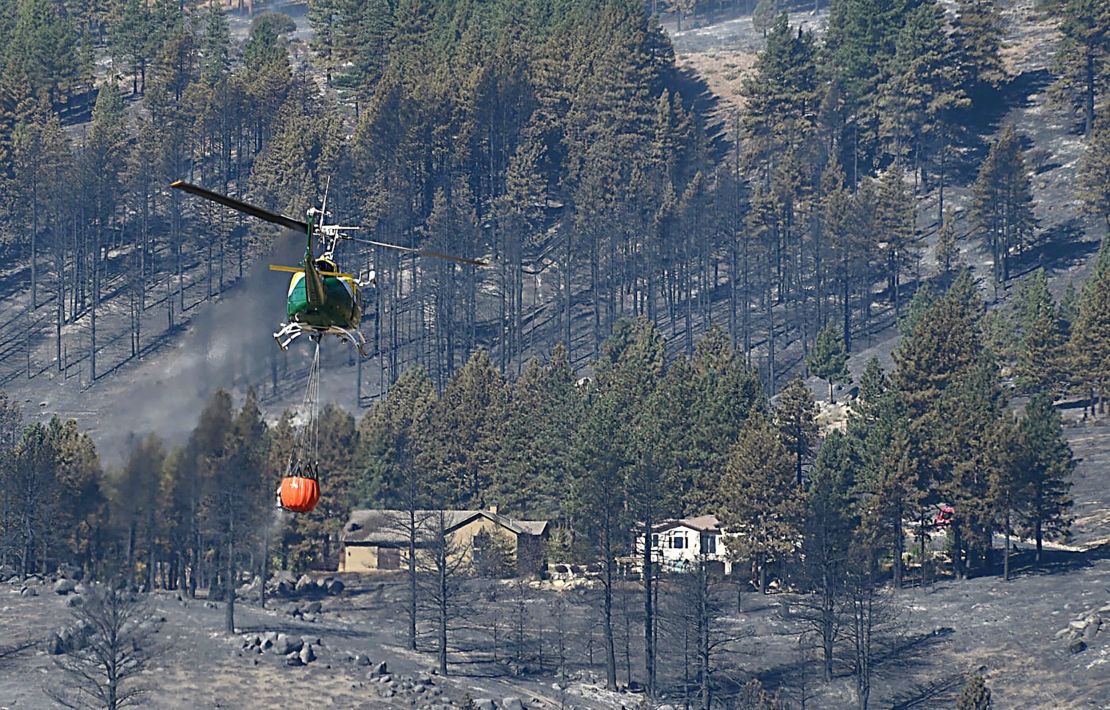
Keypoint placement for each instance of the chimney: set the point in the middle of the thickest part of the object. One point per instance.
(493, 507)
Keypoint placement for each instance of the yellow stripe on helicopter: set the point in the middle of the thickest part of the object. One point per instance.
(300, 270)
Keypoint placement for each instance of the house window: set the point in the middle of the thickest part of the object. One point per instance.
(655, 541)
(678, 542)
(709, 544)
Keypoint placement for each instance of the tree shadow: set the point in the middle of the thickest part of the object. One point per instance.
(1059, 249)
(700, 100)
(940, 692)
(988, 114)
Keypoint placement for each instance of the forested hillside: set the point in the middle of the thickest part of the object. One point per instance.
(910, 202)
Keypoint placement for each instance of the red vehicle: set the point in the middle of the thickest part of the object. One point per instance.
(944, 518)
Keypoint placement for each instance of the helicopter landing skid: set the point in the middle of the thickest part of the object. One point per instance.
(291, 331)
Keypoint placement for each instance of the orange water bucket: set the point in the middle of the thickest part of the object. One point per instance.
(299, 494)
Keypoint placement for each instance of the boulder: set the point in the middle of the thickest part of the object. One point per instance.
(1077, 646)
(311, 608)
(283, 575)
(307, 654)
(1090, 631)
(380, 669)
(512, 703)
(75, 600)
(293, 659)
(361, 660)
(1078, 625)
(304, 583)
(484, 704)
(284, 645)
(335, 587)
(28, 592)
(312, 640)
(55, 646)
(64, 586)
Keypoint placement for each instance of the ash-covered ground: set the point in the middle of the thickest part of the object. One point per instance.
(1032, 637)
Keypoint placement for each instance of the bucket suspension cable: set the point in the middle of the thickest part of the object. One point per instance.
(305, 457)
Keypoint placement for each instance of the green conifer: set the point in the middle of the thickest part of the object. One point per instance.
(1094, 173)
(975, 695)
(1044, 509)
(795, 416)
(759, 496)
(829, 359)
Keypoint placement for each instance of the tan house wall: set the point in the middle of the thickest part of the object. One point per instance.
(462, 539)
(359, 558)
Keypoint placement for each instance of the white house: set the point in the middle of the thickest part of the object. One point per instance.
(675, 544)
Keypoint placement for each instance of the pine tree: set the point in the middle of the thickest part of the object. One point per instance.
(215, 46)
(1002, 206)
(966, 417)
(943, 345)
(873, 385)
(923, 89)
(598, 504)
(975, 695)
(828, 359)
(389, 436)
(860, 43)
(80, 509)
(533, 467)
(725, 391)
(795, 417)
(948, 248)
(1094, 173)
(923, 299)
(1044, 509)
(978, 39)
(1089, 344)
(1039, 360)
(1008, 482)
(950, 388)
(43, 52)
(240, 497)
(763, 17)
(1084, 56)
(41, 162)
(132, 40)
(827, 536)
(781, 94)
(759, 497)
(898, 234)
(892, 485)
(467, 425)
(136, 502)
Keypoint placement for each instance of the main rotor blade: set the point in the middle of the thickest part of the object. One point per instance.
(241, 206)
(421, 252)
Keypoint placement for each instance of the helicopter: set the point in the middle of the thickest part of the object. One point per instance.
(321, 300)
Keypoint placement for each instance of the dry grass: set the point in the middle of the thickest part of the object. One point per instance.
(724, 71)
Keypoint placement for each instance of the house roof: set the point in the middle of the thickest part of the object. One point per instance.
(701, 523)
(386, 526)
